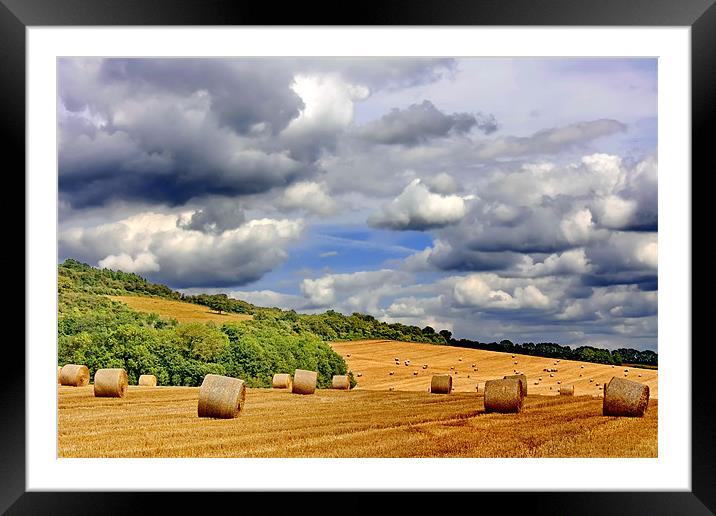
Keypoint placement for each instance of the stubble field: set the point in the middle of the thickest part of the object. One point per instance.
(370, 420)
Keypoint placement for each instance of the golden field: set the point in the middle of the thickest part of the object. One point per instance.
(163, 422)
(179, 310)
(374, 359)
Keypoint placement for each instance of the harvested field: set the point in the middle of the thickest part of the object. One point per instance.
(179, 310)
(163, 422)
(376, 358)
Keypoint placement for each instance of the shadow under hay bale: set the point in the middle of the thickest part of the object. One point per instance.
(147, 380)
(74, 375)
(282, 381)
(110, 383)
(503, 396)
(625, 398)
(441, 384)
(567, 390)
(341, 382)
(304, 382)
(522, 378)
(221, 397)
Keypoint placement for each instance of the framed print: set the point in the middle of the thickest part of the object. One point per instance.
(393, 244)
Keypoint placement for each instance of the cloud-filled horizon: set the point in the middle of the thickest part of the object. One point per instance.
(497, 198)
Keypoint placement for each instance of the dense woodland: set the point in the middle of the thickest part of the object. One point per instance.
(99, 332)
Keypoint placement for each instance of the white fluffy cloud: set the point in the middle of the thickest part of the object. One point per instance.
(357, 291)
(161, 246)
(419, 208)
(309, 196)
(486, 291)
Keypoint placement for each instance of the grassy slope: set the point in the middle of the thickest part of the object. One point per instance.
(181, 311)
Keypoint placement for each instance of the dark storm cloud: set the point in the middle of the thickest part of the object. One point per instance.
(217, 215)
(421, 122)
(169, 130)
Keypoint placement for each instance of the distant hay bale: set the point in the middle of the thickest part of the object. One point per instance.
(391, 373)
(513, 356)
(304, 382)
(397, 359)
(581, 367)
(591, 380)
(147, 380)
(626, 370)
(425, 366)
(473, 365)
(515, 362)
(639, 375)
(348, 355)
(625, 398)
(359, 375)
(221, 397)
(460, 359)
(503, 395)
(551, 375)
(567, 390)
(341, 381)
(558, 382)
(282, 381)
(441, 384)
(391, 389)
(452, 367)
(415, 373)
(523, 380)
(74, 375)
(407, 363)
(540, 378)
(110, 383)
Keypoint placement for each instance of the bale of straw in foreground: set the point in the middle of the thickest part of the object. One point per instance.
(74, 375)
(567, 390)
(221, 397)
(304, 382)
(147, 380)
(341, 381)
(522, 378)
(110, 383)
(282, 381)
(625, 398)
(503, 395)
(441, 384)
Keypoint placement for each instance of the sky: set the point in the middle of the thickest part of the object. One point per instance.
(496, 198)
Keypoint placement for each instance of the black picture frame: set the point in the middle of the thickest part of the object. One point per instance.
(699, 15)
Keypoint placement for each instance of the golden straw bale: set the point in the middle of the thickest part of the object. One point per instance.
(567, 390)
(110, 383)
(625, 398)
(74, 375)
(441, 384)
(341, 381)
(60, 369)
(304, 382)
(503, 395)
(523, 380)
(282, 381)
(147, 380)
(221, 397)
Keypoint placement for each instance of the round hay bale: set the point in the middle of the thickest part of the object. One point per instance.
(540, 378)
(282, 381)
(640, 376)
(425, 366)
(567, 390)
(460, 359)
(391, 373)
(397, 359)
(341, 381)
(558, 382)
(625, 398)
(523, 380)
(551, 375)
(304, 382)
(359, 375)
(503, 395)
(473, 365)
(441, 384)
(348, 355)
(74, 375)
(110, 383)
(415, 373)
(221, 397)
(147, 380)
